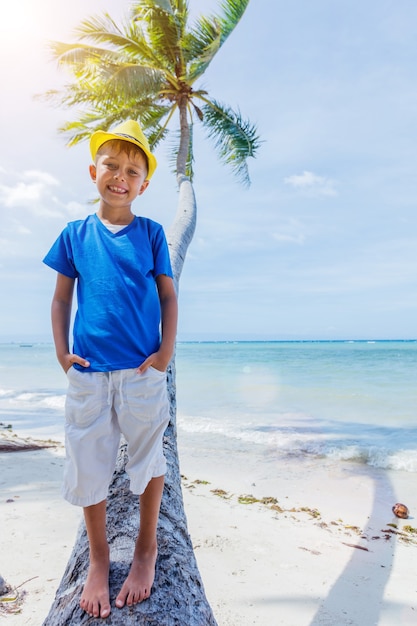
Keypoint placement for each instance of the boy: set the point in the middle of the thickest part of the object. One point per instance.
(124, 335)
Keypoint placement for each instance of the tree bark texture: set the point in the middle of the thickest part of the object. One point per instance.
(182, 230)
(178, 597)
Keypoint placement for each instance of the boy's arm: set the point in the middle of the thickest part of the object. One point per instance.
(169, 317)
(61, 317)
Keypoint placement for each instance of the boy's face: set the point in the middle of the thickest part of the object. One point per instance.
(120, 176)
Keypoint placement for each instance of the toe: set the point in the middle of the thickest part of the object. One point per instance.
(120, 602)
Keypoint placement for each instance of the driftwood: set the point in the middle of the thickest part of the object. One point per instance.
(13, 443)
(178, 597)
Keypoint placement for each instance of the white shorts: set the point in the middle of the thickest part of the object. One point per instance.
(100, 406)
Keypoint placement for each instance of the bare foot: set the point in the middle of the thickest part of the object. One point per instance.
(95, 598)
(138, 584)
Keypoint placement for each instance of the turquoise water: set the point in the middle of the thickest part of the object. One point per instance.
(343, 400)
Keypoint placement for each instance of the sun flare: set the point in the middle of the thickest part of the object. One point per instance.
(24, 23)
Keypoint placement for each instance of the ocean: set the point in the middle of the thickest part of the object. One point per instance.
(347, 401)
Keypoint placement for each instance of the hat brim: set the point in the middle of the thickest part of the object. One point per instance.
(100, 137)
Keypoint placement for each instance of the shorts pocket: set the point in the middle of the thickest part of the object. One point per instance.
(146, 394)
(153, 370)
(83, 404)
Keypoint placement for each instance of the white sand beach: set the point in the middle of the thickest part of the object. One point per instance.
(316, 544)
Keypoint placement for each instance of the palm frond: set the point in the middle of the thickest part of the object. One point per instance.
(80, 54)
(131, 41)
(163, 25)
(235, 139)
(201, 46)
(98, 69)
(104, 115)
(133, 81)
(209, 34)
(233, 10)
(102, 29)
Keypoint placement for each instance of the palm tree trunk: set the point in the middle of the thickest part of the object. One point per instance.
(178, 597)
(184, 146)
(182, 229)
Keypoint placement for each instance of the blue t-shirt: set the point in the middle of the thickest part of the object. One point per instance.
(117, 324)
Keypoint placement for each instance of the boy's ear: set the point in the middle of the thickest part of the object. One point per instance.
(93, 173)
(143, 187)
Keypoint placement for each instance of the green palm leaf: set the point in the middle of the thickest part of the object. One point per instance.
(235, 139)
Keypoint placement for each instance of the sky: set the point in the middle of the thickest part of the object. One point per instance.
(322, 245)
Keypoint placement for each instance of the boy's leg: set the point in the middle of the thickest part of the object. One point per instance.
(95, 596)
(138, 584)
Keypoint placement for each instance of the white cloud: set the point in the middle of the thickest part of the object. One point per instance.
(29, 188)
(30, 191)
(20, 194)
(41, 177)
(312, 183)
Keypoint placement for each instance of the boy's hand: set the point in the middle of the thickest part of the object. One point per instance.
(68, 360)
(156, 360)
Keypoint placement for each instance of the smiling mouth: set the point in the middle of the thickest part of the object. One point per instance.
(118, 190)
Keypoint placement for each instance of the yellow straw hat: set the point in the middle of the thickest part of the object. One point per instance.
(128, 131)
